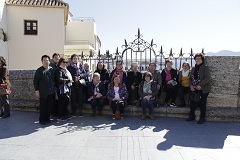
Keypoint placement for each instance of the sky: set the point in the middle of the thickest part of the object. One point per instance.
(210, 24)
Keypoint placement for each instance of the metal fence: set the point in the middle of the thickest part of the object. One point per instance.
(142, 52)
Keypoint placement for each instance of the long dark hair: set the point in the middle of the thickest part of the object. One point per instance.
(3, 61)
(103, 69)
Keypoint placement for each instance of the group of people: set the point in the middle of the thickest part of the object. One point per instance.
(58, 80)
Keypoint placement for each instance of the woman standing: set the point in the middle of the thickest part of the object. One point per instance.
(77, 88)
(63, 82)
(117, 94)
(5, 108)
(170, 83)
(44, 84)
(184, 81)
(148, 91)
(119, 71)
(200, 86)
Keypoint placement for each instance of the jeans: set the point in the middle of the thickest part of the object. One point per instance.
(45, 108)
(5, 108)
(202, 104)
(150, 104)
(97, 102)
(120, 105)
(181, 93)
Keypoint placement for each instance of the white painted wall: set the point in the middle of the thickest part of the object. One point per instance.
(81, 31)
(25, 51)
(3, 25)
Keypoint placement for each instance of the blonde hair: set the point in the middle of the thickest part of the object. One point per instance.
(96, 75)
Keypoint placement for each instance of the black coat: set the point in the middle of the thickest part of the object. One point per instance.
(174, 75)
(104, 74)
(102, 89)
(132, 79)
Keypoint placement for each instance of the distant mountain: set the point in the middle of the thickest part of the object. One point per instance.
(223, 53)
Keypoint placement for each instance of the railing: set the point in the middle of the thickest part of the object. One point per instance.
(142, 52)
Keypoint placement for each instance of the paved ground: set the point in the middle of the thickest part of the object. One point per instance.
(101, 138)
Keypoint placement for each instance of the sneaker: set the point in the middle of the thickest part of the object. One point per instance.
(69, 116)
(151, 117)
(80, 115)
(201, 120)
(50, 121)
(93, 114)
(173, 105)
(165, 104)
(190, 119)
(62, 119)
(5, 116)
(122, 115)
(143, 117)
(100, 114)
(113, 116)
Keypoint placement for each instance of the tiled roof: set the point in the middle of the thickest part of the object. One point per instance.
(42, 3)
(58, 3)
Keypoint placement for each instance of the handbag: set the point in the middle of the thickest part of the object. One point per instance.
(117, 113)
(4, 89)
(195, 97)
(64, 89)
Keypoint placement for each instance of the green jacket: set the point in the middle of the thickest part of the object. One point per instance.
(204, 78)
(41, 81)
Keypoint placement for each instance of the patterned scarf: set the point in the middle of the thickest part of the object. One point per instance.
(196, 75)
(76, 67)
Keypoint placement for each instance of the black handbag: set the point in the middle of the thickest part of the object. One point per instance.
(195, 97)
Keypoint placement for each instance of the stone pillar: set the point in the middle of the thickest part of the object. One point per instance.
(225, 80)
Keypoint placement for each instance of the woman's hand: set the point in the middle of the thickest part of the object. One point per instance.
(192, 88)
(199, 87)
(37, 94)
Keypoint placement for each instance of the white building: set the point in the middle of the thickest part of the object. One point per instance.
(81, 37)
(38, 27)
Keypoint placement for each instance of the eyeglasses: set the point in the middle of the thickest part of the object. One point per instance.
(65, 62)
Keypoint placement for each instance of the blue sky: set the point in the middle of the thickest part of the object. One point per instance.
(212, 24)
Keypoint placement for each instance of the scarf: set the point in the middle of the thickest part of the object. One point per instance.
(76, 67)
(185, 73)
(196, 75)
(147, 87)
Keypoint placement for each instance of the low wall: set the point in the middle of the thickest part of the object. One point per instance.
(225, 92)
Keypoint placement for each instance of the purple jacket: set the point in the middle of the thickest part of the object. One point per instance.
(123, 93)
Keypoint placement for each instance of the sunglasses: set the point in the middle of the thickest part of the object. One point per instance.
(65, 62)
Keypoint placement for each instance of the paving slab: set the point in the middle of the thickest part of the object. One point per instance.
(98, 138)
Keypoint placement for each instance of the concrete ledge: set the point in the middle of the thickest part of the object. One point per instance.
(213, 113)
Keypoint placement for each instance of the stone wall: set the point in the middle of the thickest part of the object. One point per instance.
(225, 79)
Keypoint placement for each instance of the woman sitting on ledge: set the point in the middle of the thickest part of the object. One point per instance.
(97, 93)
(148, 91)
(117, 94)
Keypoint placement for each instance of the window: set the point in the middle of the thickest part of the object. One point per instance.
(30, 27)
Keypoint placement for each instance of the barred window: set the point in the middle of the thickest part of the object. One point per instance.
(30, 27)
